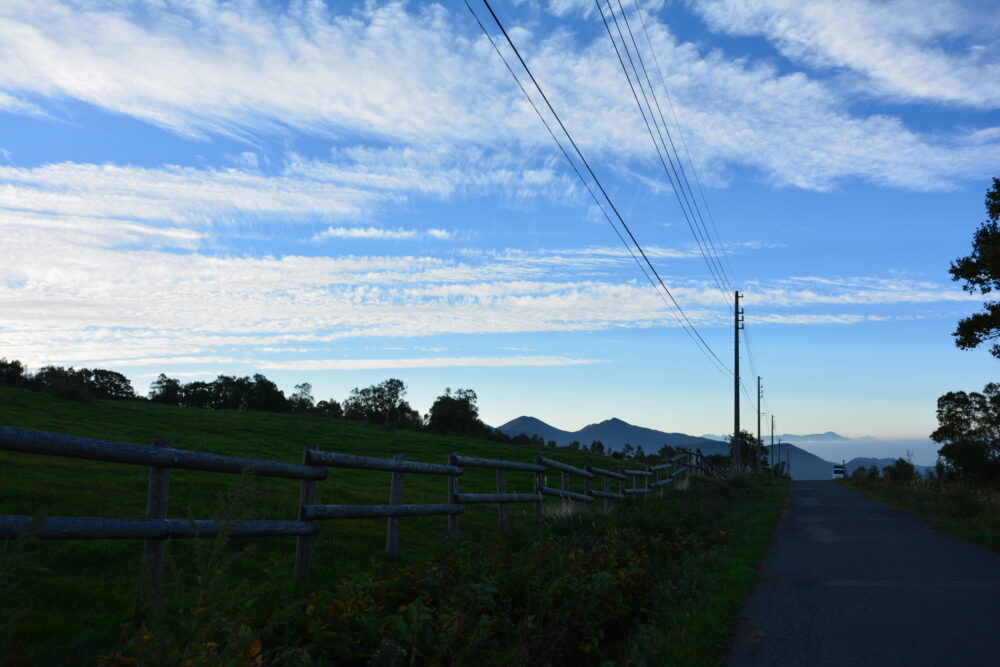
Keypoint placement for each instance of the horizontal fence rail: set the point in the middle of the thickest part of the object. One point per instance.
(161, 458)
(472, 498)
(332, 459)
(606, 473)
(561, 493)
(497, 464)
(565, 467)
(70, 446)
(314, 512)
(73, 528)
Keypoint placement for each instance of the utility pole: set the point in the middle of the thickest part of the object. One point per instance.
(772, 444)
(757, 452)
(737, 325)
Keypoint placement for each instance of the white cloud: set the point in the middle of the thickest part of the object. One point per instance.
(241, 69)
(364, 233)
(442, 234)
(940, 51)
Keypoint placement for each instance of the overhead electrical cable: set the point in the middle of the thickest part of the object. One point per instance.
(714, 251)
(674, 179)
(688, 325)
(680, 133)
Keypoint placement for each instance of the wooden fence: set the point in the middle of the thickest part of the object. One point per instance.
(156, 528)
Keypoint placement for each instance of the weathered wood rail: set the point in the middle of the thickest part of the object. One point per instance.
(156, 528)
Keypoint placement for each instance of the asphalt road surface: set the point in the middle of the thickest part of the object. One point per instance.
(850, 581)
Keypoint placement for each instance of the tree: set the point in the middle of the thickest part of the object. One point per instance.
(456, 414)
(196, 394)
(302, 399)
(597, 447)
(981, 272)
(900, 472)
(12, 373)
(109, 384)
(969, 430)
(751, 450)
(382, 404)
(165, 390)
(329, 408)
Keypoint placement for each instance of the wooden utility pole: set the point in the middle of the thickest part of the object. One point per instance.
(737, 325)
(772, 445)
(757, 452)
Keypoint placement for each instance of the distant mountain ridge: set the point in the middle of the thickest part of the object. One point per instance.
(829, 436)
(614, 433)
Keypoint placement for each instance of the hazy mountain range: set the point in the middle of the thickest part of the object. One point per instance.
(615, 433)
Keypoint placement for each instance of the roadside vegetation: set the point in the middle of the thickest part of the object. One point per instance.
(962, 494)
(659, 576)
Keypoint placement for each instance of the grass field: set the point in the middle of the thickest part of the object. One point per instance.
(64, 601)
(962, 509)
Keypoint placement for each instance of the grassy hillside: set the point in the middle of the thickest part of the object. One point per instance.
(69, 611)
(674, 569)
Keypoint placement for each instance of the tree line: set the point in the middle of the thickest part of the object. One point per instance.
(969, 422)
(383, 404)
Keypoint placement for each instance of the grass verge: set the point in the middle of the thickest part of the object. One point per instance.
(660, 580)
(971, 512)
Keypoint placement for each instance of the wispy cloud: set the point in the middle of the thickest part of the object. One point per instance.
(243, 68)
(365, 233)
(941, 51)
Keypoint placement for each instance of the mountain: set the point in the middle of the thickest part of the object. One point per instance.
(829, 436)
(614, 433)
(802, 464)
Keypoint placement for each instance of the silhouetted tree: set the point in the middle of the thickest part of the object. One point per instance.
(12, 373)
(165, 390)
(329, 408)
(980, 272)
(575, 445)
(597, 447)
(456, 414)
(301, 399)
(111, 385)
(969, 431)
(196, 394)
(900, 472)
(382, 404)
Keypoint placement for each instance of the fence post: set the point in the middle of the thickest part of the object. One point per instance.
(538, 490)
(157, 499)
(586, 484)
(395, 498)
(304, 544)
(565, 487)
(502, 507)
(453, 498)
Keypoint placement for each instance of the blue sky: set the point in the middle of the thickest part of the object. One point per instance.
(340, 193)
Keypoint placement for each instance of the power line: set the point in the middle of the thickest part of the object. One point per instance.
(685, 197)
(746, 330)
(674, 178)
(689, 326)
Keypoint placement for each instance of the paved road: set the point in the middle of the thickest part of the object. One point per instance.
(849, 581)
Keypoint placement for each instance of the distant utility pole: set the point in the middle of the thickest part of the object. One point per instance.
(772, 445)
(756, 460)
(737, 324)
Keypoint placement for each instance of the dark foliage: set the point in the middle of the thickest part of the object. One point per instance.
(969, 430)
(456, 414)
(980, 272)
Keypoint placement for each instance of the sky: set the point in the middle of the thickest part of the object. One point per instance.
(338, 193)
